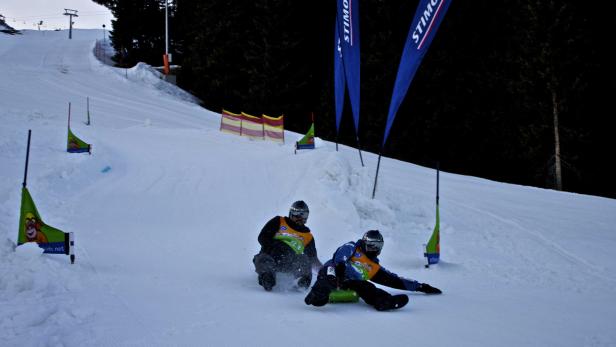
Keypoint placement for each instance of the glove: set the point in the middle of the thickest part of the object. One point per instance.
(428, 289)
(331, 277)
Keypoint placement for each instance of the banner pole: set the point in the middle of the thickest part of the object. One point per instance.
(378, 165)
(425, 246)
(88, 104)
(361, 159)
(437, 181)
(69, 115)
(71, 247)
(427, 266)
(27, 158)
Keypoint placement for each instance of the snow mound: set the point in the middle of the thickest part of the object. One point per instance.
(29, 250)
(148, 75)
(5, 28)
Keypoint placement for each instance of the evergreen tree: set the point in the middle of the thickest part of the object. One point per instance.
(138, 30)
(483, 102)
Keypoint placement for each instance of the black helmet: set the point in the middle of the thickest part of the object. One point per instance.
(299, 209)
(372, 243)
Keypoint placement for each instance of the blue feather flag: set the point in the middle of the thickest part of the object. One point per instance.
(348, 30)
(339, 79)
(428, 17)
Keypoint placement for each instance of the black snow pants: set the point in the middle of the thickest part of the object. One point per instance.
(299, 265)
(319, 294)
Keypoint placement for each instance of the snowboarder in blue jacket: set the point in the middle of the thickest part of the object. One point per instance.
(353, 266)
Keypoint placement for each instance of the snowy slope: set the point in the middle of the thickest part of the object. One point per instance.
(165, 237)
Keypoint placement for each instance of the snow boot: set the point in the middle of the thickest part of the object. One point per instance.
(318, 296)
(392, 302)
(267, 280)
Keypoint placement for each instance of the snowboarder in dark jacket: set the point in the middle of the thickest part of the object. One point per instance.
(287, 246)
(353, 266)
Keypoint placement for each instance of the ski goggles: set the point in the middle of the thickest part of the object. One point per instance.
(373, 245)
(301, 215)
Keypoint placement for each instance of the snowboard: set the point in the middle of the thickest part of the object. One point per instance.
(343, 295)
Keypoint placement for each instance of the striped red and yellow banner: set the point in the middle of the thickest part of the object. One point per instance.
(252, 126)
(244, 124)
(231, 122)
(274, 128)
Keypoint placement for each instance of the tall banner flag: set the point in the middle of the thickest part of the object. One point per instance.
(348, 30)
(33, 229)
(76, 145)
(73, 143)
(428, 18)
(339, 80)
(433, 248)
(306, 142)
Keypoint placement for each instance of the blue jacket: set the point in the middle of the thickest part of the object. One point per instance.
(358, 266)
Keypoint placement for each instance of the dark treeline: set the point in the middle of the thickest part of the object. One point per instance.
(484, 101)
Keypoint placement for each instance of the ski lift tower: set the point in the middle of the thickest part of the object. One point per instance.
(70, 13)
